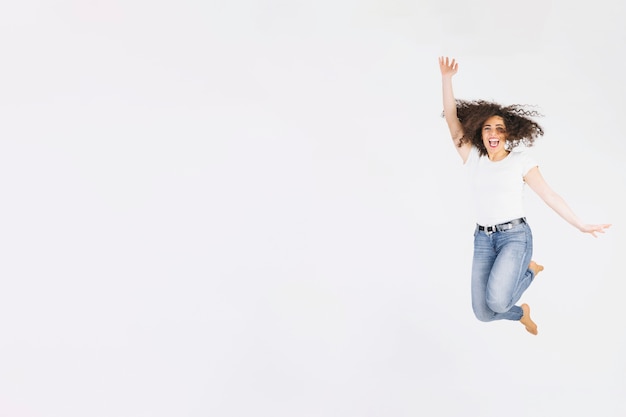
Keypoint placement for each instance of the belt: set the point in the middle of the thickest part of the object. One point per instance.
(502, 226)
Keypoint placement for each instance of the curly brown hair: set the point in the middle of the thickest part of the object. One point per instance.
(519, 127)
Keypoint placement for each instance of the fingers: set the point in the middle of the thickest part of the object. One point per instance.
(447, 66)
(600, 227)
(445, 61)
(592, 229)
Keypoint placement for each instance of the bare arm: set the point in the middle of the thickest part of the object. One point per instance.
(535, 181)
(448, 69)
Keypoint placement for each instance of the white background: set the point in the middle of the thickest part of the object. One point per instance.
(253, 208)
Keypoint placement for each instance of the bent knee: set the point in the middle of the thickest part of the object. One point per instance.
(483, 314)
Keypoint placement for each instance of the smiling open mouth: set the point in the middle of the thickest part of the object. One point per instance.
(493, 143)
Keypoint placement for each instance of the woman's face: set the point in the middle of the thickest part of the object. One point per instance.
(494, 136)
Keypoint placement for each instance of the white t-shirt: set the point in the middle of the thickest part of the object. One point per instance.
(497, 187)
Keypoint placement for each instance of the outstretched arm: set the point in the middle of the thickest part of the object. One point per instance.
(536, 182)
(448, 69)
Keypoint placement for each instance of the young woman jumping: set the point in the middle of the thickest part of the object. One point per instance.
(483, 134)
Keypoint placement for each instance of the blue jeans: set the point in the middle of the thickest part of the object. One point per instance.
(500, 273)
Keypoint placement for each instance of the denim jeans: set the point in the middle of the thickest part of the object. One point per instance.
(500, 273)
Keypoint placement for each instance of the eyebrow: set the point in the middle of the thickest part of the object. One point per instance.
(497, 124)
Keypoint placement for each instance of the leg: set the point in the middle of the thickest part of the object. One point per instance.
(508, 280)
(485, 256)
(512, 273)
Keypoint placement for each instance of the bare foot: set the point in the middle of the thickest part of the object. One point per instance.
(535, 267)
(527, 321)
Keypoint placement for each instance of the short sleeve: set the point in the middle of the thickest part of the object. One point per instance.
(527, 162)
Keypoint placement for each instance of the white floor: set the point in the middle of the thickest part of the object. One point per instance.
(253, 209)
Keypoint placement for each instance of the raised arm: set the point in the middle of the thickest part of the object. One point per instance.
(535, 181)
(448, 69)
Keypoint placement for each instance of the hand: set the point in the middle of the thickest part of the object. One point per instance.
(594, 228)
(448, 68)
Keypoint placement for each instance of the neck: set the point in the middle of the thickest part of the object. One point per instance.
(497, 156)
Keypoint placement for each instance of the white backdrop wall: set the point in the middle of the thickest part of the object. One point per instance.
(253, 208)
